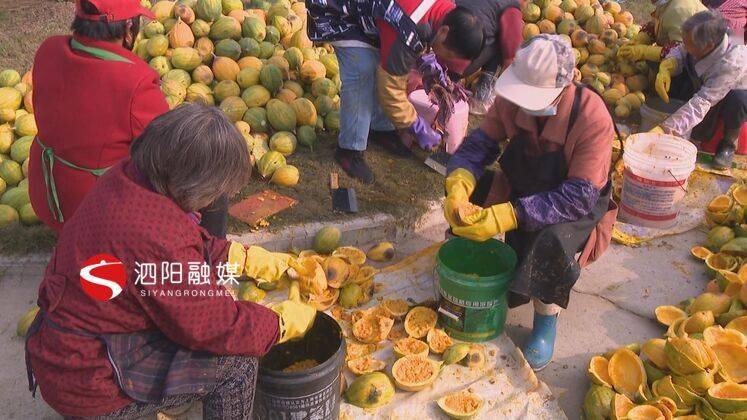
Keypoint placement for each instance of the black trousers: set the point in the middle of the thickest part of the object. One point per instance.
(215, 217)
(732, 108)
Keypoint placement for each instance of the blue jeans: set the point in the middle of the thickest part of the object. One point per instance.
(359, 105)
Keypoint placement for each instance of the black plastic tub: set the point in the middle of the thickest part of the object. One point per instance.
(309, 394)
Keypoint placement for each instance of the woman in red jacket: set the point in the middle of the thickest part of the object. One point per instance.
(92, 96)
(134, 315)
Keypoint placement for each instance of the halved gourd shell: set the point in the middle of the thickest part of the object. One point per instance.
(732, 360)
(713, 286)
(626, 372)
(358, 350)
(397, 333)
(620, 407)
(396, 308)
(666, 405)
(720, 204)
(686, 356)
(740, 195)
(362, 274)
(415, 373)
(717, 303)
(325, 300)
(728, 397)
(645, 412)
(310, 275)
(336, 269)
(739, 324)
(438, 340)
(456, 353)
(372, 329)
(350, 253)
(410, 346)
(653, 349)
(307, 253)
(419, 321)
(697, 322)
(365, 364)
(700, 252)
(598, 371)
(717, 334)
(461, 405)
(668, 314)
(742, 273)
(718, 262)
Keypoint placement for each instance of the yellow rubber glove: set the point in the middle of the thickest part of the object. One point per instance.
(237, 257)
(489, 222)
(664, 78)
(639, 52)
(459, 185)
(657, 130)
(296, 318)
(265, 266)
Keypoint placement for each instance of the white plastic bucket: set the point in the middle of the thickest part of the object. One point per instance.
(655, 178)
(456, 128)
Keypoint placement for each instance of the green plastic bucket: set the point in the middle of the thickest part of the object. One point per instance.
(473, 279)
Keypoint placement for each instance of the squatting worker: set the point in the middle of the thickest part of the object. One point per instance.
(374, 82)
(93, 96)
(552, 195)
(711, 75)
(165, 339)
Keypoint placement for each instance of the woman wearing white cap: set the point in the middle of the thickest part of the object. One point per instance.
(552, 195)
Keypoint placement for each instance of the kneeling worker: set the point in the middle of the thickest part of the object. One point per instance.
(552, 196)
(714, 72)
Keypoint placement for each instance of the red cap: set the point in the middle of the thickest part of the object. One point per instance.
(113, 10)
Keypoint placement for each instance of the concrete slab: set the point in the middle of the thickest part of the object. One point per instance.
(612, 305)
(639, 279)
(19, 282)
(590, 326)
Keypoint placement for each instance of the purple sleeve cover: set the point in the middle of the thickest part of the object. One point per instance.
(476, 152)
(569, 202)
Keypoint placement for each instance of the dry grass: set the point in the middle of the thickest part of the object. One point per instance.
(403, 187)
(24, 24)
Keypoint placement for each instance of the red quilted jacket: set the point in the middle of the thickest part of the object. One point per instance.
(124, 218)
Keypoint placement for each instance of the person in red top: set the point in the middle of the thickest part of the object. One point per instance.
(171, 333)
(92, 96)
(377, 43)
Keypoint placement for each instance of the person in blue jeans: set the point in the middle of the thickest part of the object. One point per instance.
(361, 117)
(377, 44)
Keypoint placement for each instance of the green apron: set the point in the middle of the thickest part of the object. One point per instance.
(49, 158)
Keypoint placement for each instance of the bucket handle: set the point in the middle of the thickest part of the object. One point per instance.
(679, 183)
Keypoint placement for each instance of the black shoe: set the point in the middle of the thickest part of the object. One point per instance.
(390, 141)
(726, 149)
(354, 165)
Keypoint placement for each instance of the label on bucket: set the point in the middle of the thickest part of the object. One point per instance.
(321, 405)
(651, 200)
(471, 320)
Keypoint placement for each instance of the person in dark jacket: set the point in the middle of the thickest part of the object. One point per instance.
(502, 24)
(135, 313)
(377, 44)
(552, 195)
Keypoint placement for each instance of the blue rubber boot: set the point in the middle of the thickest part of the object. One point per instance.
(539, 347)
